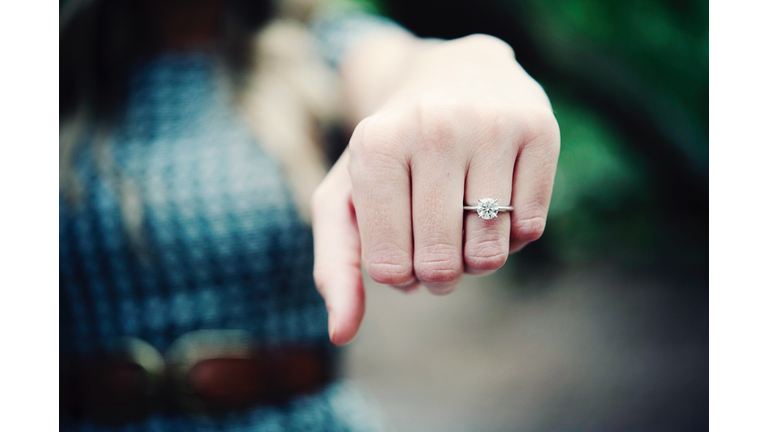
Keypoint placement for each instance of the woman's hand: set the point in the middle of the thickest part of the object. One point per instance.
(462, 121)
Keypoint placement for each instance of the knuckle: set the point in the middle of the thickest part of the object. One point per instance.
(438, 271)
(388, 273)
(438, 123)
(529, 229)
(376, 142)
(376, 133)
(542, 125)
(480, 43)
(357, 143)
(441, 265)
(498, 132)
(488, 41)
(487, 262)
(489, 254)
(389, 268)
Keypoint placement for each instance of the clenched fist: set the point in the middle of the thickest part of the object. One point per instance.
(446, 123)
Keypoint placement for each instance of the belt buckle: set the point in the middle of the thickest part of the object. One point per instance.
(216, 370)
(202, 372)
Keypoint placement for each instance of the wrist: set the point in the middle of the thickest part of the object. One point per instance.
(454, 58)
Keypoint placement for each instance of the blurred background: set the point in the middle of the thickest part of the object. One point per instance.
(603, 323)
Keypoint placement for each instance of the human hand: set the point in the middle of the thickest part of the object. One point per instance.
(466, 122)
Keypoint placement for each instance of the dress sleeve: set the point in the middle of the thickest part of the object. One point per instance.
(340, 31)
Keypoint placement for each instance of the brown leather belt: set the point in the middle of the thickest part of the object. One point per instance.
(132, 382)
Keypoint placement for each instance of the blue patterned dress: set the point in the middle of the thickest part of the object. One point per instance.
(219, 245)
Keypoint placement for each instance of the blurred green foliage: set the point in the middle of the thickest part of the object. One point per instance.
(665, 42)
(653, 56)
(598, 178)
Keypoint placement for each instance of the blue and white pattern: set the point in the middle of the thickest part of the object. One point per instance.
(220, 245)
(341, 31)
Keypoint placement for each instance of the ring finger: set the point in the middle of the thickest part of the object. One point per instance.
(486, 244)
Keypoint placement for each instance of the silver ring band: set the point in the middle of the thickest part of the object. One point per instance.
(501, 208)
(488, 208)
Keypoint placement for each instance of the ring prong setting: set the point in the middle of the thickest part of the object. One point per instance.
(487, 208)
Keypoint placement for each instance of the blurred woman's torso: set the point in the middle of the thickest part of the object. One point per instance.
(183, 214)
(217, 241)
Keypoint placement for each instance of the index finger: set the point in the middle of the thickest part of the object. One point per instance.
(381, 193)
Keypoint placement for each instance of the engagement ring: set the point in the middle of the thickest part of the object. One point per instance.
(488, 208)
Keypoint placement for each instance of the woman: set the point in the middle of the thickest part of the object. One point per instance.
(188, 155)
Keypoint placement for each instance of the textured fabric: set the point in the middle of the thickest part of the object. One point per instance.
(219, 244)
(341, 31)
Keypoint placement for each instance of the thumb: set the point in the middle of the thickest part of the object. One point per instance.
(337, 254)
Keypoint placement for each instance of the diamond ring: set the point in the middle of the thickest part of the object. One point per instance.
(488, 208)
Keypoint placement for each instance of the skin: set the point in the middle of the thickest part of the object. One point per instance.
(439, 123)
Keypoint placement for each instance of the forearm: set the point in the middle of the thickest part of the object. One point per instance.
(374, 70)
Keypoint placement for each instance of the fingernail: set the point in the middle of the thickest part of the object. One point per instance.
(331, 326)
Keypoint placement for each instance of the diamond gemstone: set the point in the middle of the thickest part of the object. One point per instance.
(487, 208)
